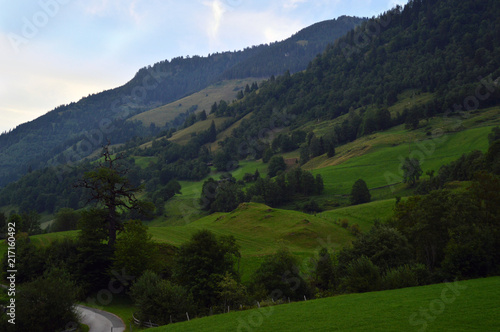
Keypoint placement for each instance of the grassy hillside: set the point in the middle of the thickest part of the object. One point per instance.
(260, 230)
(43, 240)
(377, 158)
(203, 100)
(364, 214)
(463, 306)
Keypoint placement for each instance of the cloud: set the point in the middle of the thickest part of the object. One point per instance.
(394, 3)
(123, 9)
(217, 11)
(292, 4)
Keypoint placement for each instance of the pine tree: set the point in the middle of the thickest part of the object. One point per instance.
(360, 193)
(212, 132)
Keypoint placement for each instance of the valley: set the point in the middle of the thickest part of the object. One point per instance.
(342, 189)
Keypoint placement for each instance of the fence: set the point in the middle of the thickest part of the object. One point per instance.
(144, 324)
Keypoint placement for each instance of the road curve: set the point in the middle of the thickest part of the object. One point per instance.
(100, 321)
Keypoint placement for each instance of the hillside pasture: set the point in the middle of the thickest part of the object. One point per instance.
(470, 305)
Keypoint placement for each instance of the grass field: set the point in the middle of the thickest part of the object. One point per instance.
(377, 161)
(184, 208)
(364, 215)
(183, 136)
(260, 231)
(471, 305)
(42, 240)
(204, 99)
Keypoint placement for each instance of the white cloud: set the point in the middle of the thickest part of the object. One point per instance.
(213, 24)
(393, 3)
(124, 9)
(292, 4)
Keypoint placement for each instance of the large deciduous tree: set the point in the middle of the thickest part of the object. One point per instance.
(113, 192)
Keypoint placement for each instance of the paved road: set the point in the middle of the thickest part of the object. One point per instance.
(100, 321)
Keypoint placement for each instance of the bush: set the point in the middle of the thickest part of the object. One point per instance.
(66, 220)
(406, 276)
(362, 276)
(279, 277)
(311, 207)
(355, 230)
(159, 300)
(47, 303)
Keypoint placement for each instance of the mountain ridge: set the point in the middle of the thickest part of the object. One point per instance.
(89, 121)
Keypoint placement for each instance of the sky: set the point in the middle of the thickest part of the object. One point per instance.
(54, 52)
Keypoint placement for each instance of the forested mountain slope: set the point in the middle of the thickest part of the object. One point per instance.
(448, 50)
(70, 132)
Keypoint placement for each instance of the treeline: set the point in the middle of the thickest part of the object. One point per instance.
(226, 194)
(294, 53)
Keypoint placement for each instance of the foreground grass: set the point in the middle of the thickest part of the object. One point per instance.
(464, 306)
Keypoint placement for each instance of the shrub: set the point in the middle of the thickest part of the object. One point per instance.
(311, 207)
(47, 303)
(355, 230)
(159, 300)
(279, 276)
(362, 276)
(406, 276)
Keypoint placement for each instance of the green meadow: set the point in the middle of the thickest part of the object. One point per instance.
(471, 305)
(260, 230)
(379, 163)
(364, 214)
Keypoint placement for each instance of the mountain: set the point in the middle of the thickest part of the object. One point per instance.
(445, 50)
(405, 67)
(71, 132)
